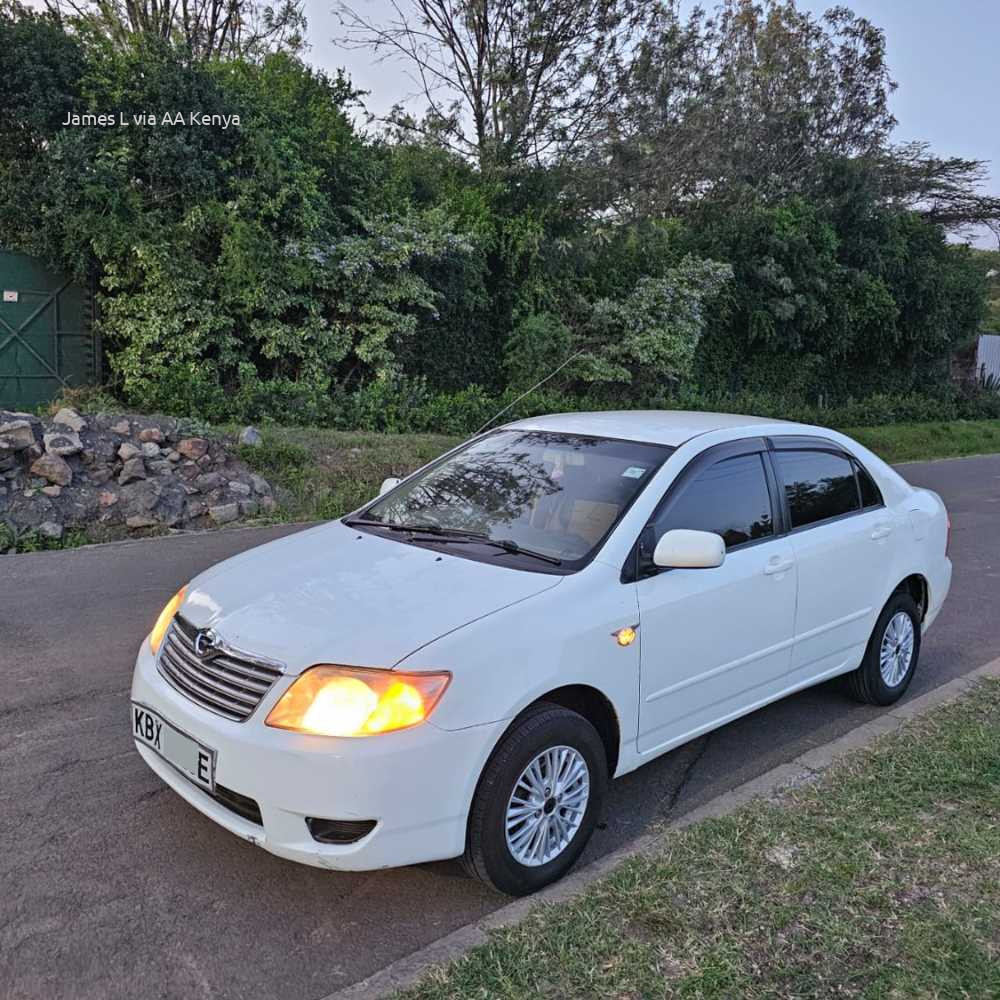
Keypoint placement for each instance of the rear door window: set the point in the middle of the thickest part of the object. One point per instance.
(871, 496)
(819, 485)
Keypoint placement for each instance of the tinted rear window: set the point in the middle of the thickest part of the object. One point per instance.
(818, 485)
(871, 496)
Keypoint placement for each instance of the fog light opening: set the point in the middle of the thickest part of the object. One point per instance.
(339, 831)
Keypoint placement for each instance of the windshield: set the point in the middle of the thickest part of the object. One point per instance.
(556, 495)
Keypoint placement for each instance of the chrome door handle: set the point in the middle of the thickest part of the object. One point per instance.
(881, 531)
(781, 566)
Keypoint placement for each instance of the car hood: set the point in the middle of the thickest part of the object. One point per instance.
(337, 595)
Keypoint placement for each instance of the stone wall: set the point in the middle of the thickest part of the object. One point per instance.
(119, 473)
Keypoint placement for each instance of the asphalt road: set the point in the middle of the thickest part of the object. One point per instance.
(111, 886)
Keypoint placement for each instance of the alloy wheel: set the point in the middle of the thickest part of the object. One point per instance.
(547, 805)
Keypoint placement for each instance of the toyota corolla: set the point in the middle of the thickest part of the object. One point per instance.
(459, 668)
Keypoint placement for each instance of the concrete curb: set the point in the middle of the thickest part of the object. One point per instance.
(405, 972)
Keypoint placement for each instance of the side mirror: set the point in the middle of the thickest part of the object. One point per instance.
(388, 484)
(686, 549)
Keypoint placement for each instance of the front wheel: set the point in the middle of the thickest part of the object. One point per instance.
(891, 657)
(538, 801)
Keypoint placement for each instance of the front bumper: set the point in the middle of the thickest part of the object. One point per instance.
(417, 784)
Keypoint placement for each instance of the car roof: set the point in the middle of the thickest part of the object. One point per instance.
(670, 427)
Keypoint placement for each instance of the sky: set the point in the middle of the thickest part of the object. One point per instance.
(944, 54)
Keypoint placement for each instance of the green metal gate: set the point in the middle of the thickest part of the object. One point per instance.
(47, 336)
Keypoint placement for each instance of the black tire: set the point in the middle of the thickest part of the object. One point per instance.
(487, 854)
(866, 683)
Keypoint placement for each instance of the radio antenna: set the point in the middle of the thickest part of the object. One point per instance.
(529, 391)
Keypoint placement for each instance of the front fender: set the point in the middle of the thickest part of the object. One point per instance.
(503, 663)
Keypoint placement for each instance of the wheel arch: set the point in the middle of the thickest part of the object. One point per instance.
(596, 708)
(917, 587)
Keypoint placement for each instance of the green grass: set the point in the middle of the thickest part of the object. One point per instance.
(919, 442)
(881, 881)
(15, 540)
(323, 474)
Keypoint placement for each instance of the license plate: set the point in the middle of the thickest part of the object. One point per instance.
(191, 758)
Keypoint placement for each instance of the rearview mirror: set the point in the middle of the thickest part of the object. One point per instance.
(388, 484)
(686, 549)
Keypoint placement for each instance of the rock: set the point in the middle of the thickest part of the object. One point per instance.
(50, 529)
(53, 468)
(104, 449)
(85, 469)
(224, 513)
(100, 475)
(19, 431)
(67, 417)
(132, 470)
(193, 448)
(251, 436)
(141, 496)
(63, 443)
(209, 481)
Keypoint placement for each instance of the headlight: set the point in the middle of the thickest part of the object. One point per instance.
(354, 701)
(166, 617)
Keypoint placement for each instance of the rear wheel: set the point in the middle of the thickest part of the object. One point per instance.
(538, 801)
(891, 657)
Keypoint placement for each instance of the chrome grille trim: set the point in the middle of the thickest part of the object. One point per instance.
(230, 683)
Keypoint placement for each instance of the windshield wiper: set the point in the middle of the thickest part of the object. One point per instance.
(458, 536)
(509, 545)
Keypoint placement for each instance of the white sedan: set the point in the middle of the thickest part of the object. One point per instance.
(461, 666)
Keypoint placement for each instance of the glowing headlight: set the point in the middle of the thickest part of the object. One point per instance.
(166, 617)
(354, 701)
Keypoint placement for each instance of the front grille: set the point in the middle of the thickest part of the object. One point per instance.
(229, 684)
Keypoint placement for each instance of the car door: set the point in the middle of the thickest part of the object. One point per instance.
(842, 535)
(715, 642)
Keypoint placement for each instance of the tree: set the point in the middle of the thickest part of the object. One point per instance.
(208, 29)
(648, 339)
(744, 102)
(508, 82)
